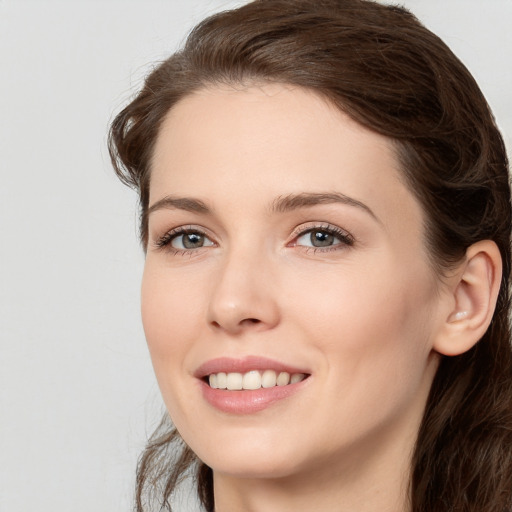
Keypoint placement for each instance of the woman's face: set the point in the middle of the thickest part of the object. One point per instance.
(283, 242)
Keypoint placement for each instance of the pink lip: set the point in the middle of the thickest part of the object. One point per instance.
(246, 401)
(242, 365)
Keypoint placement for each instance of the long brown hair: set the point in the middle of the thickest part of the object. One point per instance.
(379, 65)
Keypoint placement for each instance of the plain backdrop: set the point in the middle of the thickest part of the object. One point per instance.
(77, 394)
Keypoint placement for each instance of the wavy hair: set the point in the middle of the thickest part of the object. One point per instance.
(382, 67)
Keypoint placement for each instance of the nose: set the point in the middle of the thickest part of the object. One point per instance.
(243, 297)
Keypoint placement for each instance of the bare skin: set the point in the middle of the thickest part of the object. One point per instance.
(280, 228)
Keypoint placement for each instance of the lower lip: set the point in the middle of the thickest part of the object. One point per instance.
(248, 401)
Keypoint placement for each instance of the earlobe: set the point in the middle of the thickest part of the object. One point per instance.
(474, 293)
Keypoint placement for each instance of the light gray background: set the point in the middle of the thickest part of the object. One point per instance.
(77, 394)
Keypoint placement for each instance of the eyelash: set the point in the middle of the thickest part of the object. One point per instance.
(345, 238)
(164, 242)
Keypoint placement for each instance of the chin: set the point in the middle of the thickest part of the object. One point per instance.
(264, 467)
(248, 454)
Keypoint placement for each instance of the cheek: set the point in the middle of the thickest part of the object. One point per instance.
(372, 335)
(170, 312)
(169, 315)
(370, 317)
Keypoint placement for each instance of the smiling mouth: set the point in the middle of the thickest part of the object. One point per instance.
(252, 380)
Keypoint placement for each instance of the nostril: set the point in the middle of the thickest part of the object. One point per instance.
(246, 323)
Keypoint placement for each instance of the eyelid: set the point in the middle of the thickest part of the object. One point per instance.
(163, 242)
(345, 237)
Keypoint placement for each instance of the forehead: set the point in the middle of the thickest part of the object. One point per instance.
(249, 144)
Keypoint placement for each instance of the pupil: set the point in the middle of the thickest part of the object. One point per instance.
(193, 240)
(321, 239)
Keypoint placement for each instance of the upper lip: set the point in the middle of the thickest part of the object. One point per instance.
(243, 365)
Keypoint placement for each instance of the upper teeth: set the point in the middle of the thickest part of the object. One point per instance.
(253, 379)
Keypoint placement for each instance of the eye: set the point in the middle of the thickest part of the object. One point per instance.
(324, 237)
(190, 240)
(317, 238)
(183, 240)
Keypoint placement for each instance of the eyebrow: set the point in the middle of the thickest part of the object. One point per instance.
(296, 201)
(281, 204)
(179, 203)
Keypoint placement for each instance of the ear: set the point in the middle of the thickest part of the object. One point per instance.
(473, 292)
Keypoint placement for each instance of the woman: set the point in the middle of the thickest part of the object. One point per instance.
(325, 211)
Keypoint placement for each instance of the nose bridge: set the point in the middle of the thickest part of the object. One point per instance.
(242, 295)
